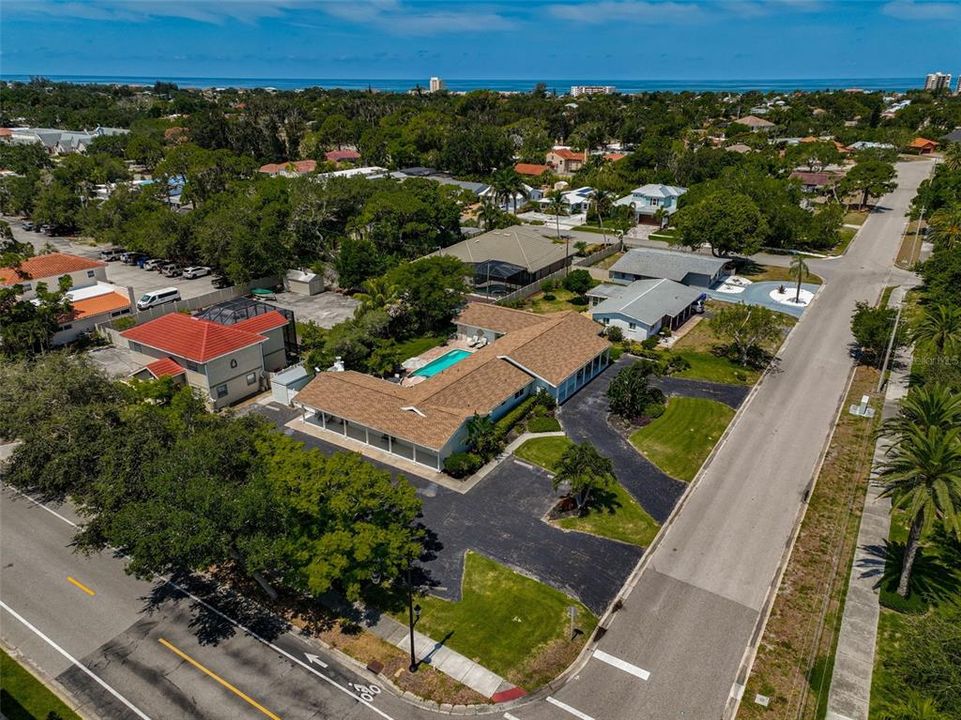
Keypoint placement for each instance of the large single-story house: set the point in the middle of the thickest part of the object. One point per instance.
(531, 169)
(575, 201)
(687, 268)
(508, 259)
(648, 199)
(644, 307)
(224, 363)
(339, 156)
(426, 422)
(56, 141)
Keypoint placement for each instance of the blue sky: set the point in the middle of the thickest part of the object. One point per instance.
(550, 39)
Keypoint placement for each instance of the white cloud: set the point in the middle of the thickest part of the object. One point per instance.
(911, 10)
(610, 11)
(425, 19)
(205, 11)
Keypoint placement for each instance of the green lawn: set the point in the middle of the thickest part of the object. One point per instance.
(513, 625)
(562, 301)
(711, 367)
(23, 697)
(545, 451)
(414, 347)
(855, 217)
(613, 512)
(680, 440)
(775, 273)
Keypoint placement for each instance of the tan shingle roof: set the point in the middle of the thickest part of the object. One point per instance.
(497, 318)
(551, 347)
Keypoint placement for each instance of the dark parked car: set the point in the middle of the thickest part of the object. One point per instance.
(220, 281)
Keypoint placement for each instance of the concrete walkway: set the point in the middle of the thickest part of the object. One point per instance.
(850, 694)
(442, 658)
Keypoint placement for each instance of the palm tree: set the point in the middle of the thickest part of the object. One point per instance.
(922, 476)
(584, 470)
(799, 270)
(939, 329)
(378, 293)
(507, 186)
(952, 157)
(928, 406)
(489, 214)
(556, 207)
(482, 436)
(946, 226)
(602, 201)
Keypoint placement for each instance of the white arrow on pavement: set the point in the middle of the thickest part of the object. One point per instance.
(315, 660)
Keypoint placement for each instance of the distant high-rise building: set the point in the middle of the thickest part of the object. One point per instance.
(436, 85)
(938, 81)
(592, 90)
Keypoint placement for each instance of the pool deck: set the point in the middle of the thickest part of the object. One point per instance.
(419, 361)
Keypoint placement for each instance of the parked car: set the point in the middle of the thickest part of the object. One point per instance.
(158, 297)
(220, 281)
(155, 264)
(196, 271)
(110, 254)
(46, 229)
(171, 270)
(131, 258)
(27, 225)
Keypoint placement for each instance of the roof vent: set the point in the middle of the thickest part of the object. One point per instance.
(411, 408)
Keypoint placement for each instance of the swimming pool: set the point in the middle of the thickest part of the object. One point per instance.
(440, 364)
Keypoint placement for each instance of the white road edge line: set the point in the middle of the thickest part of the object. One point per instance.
(622, 665)
(229, 619)
(133, 708)
(508, 716)
(567, 708)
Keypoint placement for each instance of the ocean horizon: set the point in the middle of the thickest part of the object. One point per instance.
(560, 86)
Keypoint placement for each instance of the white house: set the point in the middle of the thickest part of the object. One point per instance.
(646, 201)
(644, 307)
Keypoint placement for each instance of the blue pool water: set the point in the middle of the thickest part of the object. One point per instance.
(442, 363)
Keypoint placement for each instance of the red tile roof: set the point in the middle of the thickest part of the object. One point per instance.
(338, 155)
(51, 265)
(6, 132)
(165, 367)
(531, 169)
(191, 338)
(261, 323)
(922, 143)
(108, 302)
(299, 166)
(614, 157)
(569, 154)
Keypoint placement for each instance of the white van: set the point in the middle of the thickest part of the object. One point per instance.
(158, 297)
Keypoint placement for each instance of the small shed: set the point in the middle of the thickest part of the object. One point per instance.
(285, 385)
(303, 282)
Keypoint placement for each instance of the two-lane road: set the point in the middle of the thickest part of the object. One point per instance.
(150, 651)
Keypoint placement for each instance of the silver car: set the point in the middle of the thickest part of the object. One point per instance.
(196, 271)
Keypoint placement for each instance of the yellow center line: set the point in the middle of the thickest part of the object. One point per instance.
(235, 691)
(77, 583)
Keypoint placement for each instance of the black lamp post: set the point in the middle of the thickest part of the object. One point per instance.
(413, 614)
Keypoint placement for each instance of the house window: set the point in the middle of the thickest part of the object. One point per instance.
(251, 378)
(66, 327)
(90, 273)
(632, 326)
(192, 366)
(136, 347)
(519, 393)
(221, 391)
(655, 202)
(606, 321)
(233, 363)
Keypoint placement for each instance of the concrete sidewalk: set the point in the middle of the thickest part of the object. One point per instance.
(441, 658)
(850, 694)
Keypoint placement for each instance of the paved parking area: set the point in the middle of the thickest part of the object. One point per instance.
(326, 309)
(502, 517)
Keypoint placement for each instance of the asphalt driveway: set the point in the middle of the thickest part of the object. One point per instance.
(584, 418)
(502, 517)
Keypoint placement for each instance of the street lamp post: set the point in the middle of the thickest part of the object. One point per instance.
(413, 615)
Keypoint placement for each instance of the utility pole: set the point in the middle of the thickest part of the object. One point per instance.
(887, 354)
